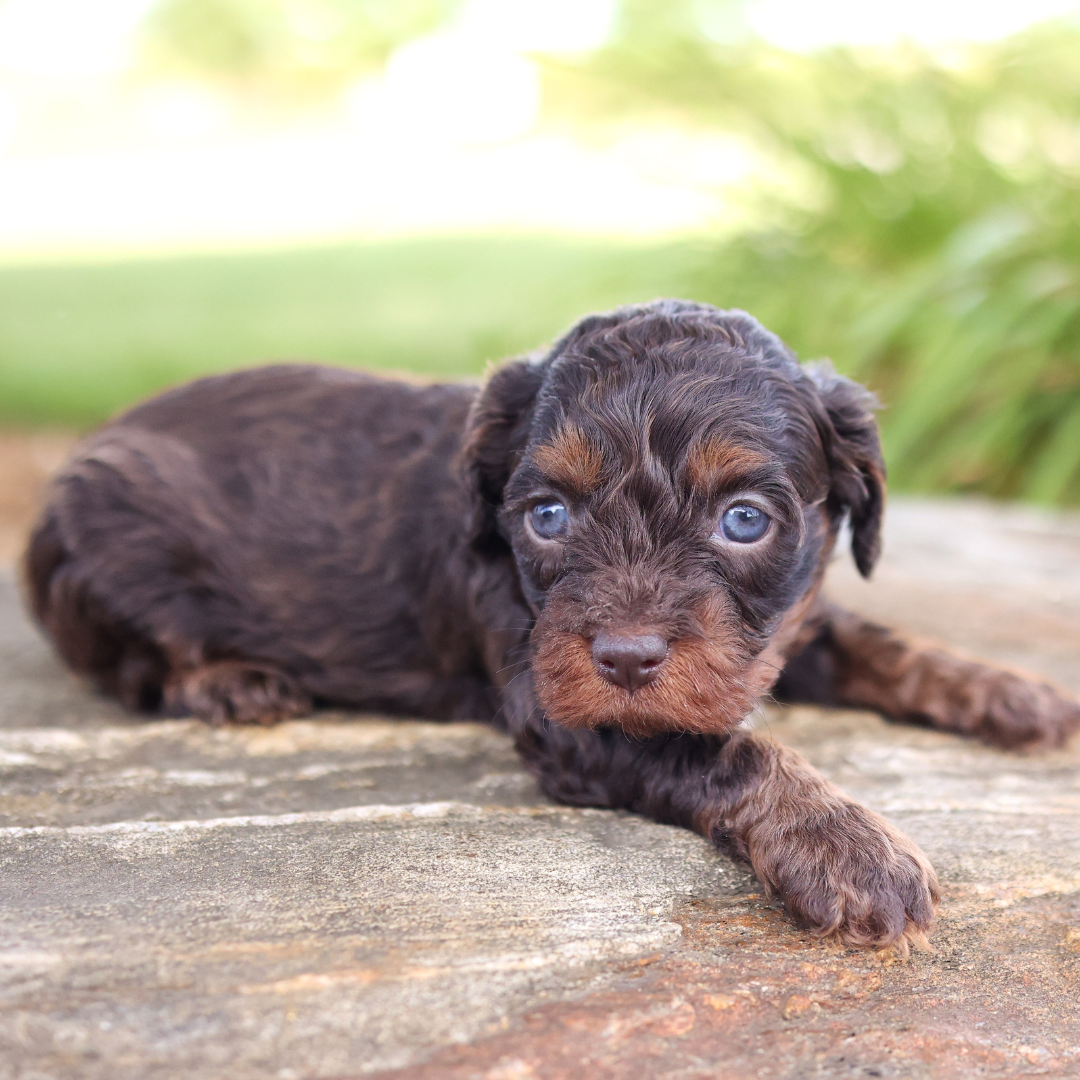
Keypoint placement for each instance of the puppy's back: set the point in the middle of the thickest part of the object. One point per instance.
(270, 512)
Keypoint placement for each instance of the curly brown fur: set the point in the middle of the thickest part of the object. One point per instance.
(252, 545)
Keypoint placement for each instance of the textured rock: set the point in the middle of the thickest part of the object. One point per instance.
(348, 896)
(324, 941)
(1000, 582)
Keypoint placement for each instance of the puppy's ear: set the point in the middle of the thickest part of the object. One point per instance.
(853, 447)
(495, 434)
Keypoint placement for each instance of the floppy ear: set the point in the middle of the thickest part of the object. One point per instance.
(853, 447)
(495, 434)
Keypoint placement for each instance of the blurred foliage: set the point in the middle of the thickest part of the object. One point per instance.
(285, 45)
(929, 239)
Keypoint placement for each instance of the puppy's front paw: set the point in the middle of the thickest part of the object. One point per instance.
(1016, 712)
(237, 691)
(849, 875)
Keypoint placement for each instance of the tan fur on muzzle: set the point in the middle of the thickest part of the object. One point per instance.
(707, 684)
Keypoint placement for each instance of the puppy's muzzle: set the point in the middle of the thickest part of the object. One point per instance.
(629, 661)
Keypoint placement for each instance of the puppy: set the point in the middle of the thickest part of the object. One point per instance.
(612, 551)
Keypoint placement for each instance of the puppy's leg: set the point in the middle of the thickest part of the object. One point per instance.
(117, 576)
(240, 691)
(857, 663)
(842, 871)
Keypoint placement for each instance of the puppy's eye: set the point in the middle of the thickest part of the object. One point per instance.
(549, 520)
(743, 523)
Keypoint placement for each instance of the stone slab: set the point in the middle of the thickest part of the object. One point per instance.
(999, 582)
(354, 896)
(318, 942)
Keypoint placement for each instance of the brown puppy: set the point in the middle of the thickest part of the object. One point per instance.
(611, 550)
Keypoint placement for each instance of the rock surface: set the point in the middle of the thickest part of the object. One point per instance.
(354, 896)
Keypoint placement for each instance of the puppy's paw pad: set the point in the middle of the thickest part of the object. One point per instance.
(238, 692)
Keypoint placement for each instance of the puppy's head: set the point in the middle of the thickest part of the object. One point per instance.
(669, 481)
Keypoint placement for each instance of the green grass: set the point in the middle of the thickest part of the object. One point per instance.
(79, 342)
(973, 351)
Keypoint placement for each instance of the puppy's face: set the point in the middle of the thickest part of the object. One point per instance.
(670, 514)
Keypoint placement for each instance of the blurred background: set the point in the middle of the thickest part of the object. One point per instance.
(429, 185)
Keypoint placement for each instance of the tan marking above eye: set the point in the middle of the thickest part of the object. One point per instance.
(571, 460)
(713, 463)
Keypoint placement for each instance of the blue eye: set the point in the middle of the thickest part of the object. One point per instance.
(744, 524)
(549, 520)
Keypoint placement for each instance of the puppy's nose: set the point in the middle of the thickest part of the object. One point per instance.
(629, 662)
